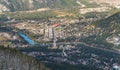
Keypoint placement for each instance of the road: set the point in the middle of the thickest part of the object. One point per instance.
(100, 48)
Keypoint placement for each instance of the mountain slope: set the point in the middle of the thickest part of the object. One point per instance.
(110, 29)
(20, 5)
(10, 59)
(110, 23)
(17, 5)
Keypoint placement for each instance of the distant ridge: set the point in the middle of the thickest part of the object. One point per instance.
(20, 5)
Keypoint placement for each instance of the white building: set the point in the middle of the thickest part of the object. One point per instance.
(116, 67)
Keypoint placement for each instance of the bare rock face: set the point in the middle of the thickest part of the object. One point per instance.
(11, 59)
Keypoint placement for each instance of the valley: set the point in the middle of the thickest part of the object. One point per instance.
(63, 34)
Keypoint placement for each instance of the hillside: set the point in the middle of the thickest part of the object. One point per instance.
(18, 5)
(10, 59)
(23, 5)
(110, 2)
(110, 24)
(110, 31)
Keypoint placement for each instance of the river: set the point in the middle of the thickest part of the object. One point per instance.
(26, 38)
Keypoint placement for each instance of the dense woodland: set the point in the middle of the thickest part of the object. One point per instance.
(11, 59)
